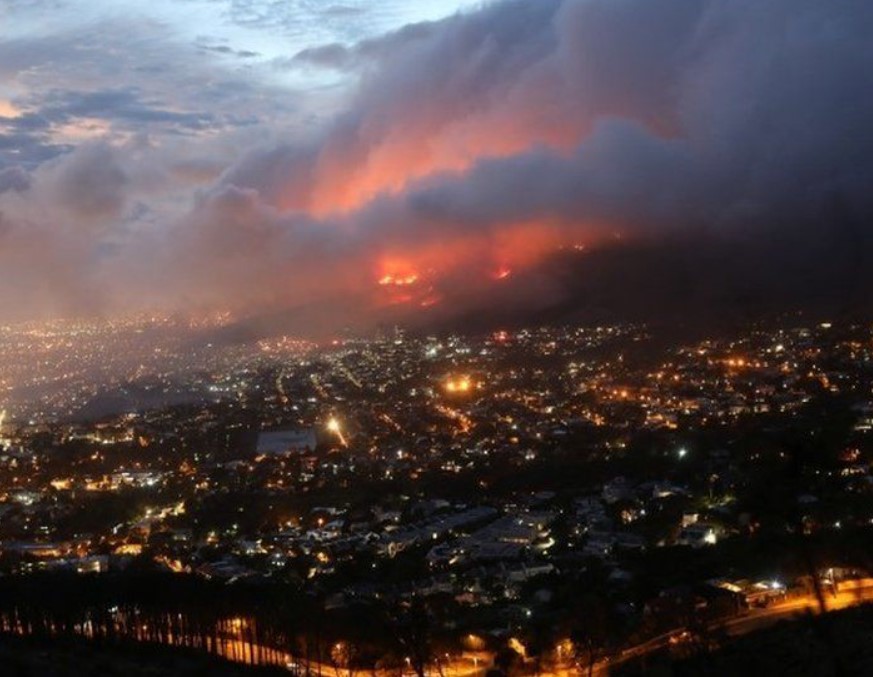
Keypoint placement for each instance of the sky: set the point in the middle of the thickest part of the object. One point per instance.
(342, 163)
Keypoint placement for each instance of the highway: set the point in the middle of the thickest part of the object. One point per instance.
(850, 593)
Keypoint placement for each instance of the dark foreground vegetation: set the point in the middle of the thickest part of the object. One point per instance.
(259, 623)
(837, 644)
(71, 657)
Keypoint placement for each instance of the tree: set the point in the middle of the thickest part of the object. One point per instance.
(411, 626)
(594, 630)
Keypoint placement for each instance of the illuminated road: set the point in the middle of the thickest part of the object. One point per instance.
(761, 618)
(853, 593)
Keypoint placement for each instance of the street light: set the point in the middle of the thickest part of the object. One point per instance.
(333, 426)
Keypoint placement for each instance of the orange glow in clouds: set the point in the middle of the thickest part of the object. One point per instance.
(349, 173)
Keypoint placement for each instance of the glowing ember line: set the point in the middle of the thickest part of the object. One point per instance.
(398, 280)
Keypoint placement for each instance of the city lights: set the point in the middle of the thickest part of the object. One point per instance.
(458, 385)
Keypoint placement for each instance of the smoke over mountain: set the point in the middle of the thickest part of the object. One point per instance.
(616, 156)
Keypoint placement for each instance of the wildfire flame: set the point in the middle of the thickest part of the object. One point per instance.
(398, 280)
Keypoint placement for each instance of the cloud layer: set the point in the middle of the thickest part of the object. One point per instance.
(444, 162)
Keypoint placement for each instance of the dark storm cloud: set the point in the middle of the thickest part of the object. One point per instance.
(208, 44)
(127, 105)
(28, 149)
(359, 55)
(229, 51)
(621, 177)
(26, 139)
(326, 56)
